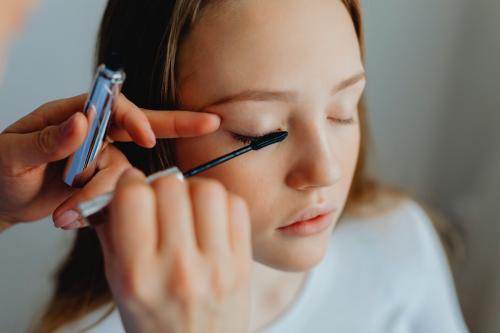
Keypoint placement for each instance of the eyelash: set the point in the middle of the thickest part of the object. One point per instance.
(246, 139)
(348, 121)
(249, 139)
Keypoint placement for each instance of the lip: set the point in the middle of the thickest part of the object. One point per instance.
(308, 227)
(310, 213)
(311, 220)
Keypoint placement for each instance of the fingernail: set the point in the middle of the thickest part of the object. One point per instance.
(170, 171)
(68, 126)
(66, 218)
(179, 176)
(152, 137)
(216, 116)
(72, 226)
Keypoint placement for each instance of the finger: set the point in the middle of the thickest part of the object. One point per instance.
(174, 215)
(52, 113)
(52, 143)
(111, 164)
(132, 224)
(173, 124)
(176, 124)
(142, 126)
(239, 227)
(210, 212)
(132, 121)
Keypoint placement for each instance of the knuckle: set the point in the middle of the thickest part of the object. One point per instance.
(132, 284)
(112, 156)
(185, 285)
(186, 294)
(211, 188)
(237, 203)
(129, 192)
(182, 262)
(44, 140)
(46, 106)
(221, 281)
(243, 273)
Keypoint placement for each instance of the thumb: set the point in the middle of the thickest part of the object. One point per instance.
(50, 144)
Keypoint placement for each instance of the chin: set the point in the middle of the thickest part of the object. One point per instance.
(293, 255)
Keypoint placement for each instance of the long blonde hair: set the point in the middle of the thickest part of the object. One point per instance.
(148, 34)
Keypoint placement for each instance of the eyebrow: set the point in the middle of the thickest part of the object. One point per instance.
(280, 96)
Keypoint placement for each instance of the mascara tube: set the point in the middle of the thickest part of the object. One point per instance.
(81, 165)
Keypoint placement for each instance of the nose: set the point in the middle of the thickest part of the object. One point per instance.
(316, 164)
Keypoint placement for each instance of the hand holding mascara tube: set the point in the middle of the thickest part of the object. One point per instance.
(34, 149)
(81, 165)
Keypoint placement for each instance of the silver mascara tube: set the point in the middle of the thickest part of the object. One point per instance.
(81, 165)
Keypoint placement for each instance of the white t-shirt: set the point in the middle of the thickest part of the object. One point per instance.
(385, 274)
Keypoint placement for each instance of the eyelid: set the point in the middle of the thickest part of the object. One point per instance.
(352, 91)
(246, 139)
(344, 121)
(255, 134)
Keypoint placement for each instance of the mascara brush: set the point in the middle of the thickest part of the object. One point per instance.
(257, 144)
(93, 206)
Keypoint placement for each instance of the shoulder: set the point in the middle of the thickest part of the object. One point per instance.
(396, 233)
(388, 206)
(389, 255)
(385, 259)
(393, 215)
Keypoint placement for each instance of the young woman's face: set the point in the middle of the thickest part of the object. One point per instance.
(287, 63)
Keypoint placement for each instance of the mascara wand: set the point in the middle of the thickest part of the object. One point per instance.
(94, 205)
(260, 143)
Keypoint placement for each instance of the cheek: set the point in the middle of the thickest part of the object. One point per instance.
(243, 175)
(191, 152)
(350, 156)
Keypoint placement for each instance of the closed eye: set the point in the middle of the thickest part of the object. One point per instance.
(246, 139)
(348, 121)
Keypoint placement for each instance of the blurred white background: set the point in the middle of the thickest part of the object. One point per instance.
(433, 106)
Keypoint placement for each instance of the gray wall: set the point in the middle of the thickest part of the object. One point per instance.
(435, 111)
(433, 107)
(52, 59)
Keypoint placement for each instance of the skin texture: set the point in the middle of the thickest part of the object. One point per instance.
(305, 47)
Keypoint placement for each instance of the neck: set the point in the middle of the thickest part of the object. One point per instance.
(272, 292)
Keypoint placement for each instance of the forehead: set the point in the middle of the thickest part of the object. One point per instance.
(267, 44)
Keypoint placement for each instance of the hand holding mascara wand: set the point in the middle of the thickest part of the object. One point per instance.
(93, 206)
